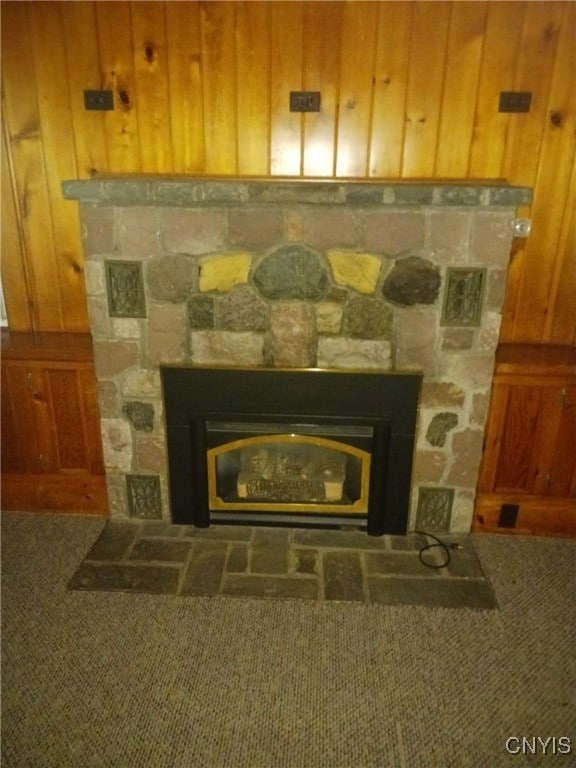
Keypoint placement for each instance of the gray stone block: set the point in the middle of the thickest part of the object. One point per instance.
(343, 577)
(126, 578)
(512, 197)
(167, 550)
(204, 573)
(367, 318)
(413, 280)
(114, 541)
(433, 593)
(292, 272)
(396, 564)
(363, 194)
(270, 550)
(439, 427)
(201, 312)
(459, 195)
(413, 194)
(268, 586)
(237, 559)
(141, 415)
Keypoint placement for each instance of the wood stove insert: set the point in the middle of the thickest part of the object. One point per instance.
(303, 447)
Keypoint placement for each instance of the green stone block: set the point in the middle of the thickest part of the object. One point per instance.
(125, 286)
(434, 509)
(144, 498)
(463, 296)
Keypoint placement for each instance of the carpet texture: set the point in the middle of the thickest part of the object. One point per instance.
(128, 680)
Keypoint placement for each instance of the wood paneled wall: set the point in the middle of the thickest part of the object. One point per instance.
(409, 89)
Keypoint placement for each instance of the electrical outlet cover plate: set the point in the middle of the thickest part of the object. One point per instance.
(514, 101)
(99, 100)
(304, 101)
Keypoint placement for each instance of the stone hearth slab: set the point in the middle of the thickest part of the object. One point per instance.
(267, 562)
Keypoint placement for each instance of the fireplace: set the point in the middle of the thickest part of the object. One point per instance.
(393, 279)
(299, 447)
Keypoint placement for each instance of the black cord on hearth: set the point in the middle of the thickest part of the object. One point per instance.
(437, 543)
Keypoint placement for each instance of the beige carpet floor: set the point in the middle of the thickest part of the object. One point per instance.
(115, 680)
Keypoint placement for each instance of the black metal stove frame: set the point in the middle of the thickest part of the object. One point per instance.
(387, 402)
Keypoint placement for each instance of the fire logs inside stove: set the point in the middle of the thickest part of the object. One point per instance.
(290, 446)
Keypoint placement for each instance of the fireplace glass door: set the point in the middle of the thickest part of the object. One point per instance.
(298, 468)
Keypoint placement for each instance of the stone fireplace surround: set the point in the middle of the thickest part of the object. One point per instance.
(296, 274)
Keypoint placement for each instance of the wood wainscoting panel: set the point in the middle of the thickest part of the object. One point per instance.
(529, 458)
(51, 444)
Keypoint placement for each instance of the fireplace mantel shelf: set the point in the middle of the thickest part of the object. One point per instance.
(183, 190)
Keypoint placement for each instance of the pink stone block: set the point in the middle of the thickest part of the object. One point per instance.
(416, 332)
(429, 466)
(442, 394)
(466, 454)
(167, 333)
(491, 238)
(97, 229)
(150, 455)
(326, 229)
(393, 232)
(194, 231)
(292, 335)
(114, 357)
(449, 235)
(255, 228)
(138, 232)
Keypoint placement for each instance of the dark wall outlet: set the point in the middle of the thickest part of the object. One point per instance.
(304, 101)
(100, 100)
(508, 515)
(515, 101)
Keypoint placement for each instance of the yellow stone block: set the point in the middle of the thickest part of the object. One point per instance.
(222, 272)
(359, 271)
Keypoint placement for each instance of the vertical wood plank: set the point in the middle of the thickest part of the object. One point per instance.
(185, 86)
(26, 149)
(16, 286)
(56, 127)
(151, 79)
(90, 408)
(219, 76)
(84, 73)
(534, 67)
(17, 434)
(556, 438)
(515, 458)
(555, 162)
(322, 43)
(43, 418)
(286, 76)
(463, 57)
(357, 67)
(560, 325)
(387, 135)
(253, 84)
(114, 34)
(64, 393)
(425, 81)
(493, 436)
(564, 459)
(499, 56)
(539, 42)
